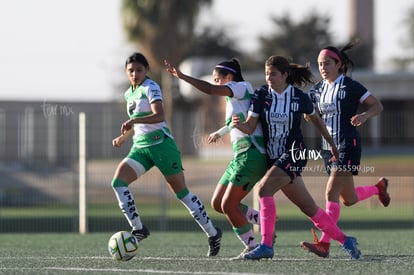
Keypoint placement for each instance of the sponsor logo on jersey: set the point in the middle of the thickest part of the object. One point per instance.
(132, 105)
(294, 107)
(341, 93)
(156, 92)
(278, 117)
(327, 108)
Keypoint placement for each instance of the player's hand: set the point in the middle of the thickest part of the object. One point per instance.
(335, 154)
(172, 69)
(213, 137)
(235, 121)
(118, 141)
(126, 126)
(359, 119)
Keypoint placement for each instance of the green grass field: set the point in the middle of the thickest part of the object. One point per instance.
(383, 252)
(385, 236)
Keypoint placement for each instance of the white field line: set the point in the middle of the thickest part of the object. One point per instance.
(156, 258)
(117, 270)
(154, 271)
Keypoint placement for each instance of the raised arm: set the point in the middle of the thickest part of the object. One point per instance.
(200, 84)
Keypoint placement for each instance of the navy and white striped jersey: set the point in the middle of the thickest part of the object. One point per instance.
(280, 116)
(338, 103)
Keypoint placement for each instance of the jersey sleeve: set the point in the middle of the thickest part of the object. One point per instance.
(360, 91)
(154, 92)
(309, 108)
(238, 89)
(313, 93)
(256, 102)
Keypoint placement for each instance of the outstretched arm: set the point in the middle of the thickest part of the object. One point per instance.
(200, 84)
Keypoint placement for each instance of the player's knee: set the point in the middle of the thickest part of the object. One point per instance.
(116, 182)
(216, 204)
(349, 203)
(228, 207)
(135, 167)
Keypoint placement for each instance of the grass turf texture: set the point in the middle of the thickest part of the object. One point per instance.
(383, 252)
(58, 219)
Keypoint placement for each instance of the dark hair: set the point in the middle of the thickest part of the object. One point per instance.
(137, 57)
(345, 60)
(230, 67)
(298, 75)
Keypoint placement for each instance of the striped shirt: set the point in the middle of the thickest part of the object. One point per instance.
(338, 103)
(280, 116)
(238, 104)
(138, 104)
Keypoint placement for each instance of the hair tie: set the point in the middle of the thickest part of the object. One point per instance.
(227, 68)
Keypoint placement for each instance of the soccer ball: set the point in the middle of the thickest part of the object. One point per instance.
(122, 246)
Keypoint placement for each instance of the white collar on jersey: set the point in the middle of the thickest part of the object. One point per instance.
(338, 80)
(282, 93)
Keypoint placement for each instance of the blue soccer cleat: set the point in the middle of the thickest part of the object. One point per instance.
(260, 252)
(350, 246)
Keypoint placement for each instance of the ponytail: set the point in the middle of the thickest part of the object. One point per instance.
(346, 62)
(298, 75)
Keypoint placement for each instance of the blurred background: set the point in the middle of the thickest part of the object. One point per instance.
(62, 58)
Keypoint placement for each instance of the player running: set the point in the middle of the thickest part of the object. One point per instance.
(336, 98)
(279, 106)
(153, 145)
(249, 162)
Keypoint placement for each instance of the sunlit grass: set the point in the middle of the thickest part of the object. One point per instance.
(383, 252)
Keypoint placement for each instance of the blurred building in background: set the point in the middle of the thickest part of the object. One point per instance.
(46, 133)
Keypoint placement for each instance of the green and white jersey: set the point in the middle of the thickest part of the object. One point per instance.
(138, 105)
(239, 105)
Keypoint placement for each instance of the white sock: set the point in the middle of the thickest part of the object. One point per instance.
(253, 216)
(196, 208)
(127, 204)
(248, 239)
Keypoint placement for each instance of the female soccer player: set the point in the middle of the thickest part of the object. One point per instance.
(279, 106)
(336, 98)
(249, 162)
(153, 145)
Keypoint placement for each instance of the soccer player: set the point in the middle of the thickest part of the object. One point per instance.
(249, 162)
(153, 145)
(279, 106)
(336, 98)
